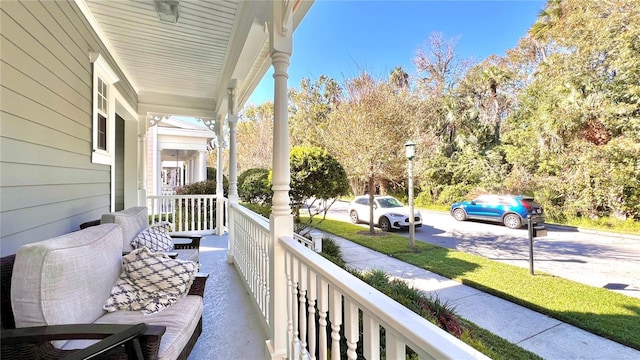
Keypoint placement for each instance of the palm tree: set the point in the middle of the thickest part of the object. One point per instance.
(494, 77)
(399, 78)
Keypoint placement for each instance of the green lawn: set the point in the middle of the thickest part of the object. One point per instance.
(596, 310)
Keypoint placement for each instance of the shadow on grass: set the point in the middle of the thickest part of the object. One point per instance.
(437, 260)
(621, 328)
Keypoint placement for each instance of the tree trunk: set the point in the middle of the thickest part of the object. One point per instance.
(371, 184)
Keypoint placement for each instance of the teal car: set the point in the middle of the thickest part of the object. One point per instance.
(510, 210)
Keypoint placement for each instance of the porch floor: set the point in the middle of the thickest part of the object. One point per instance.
(231, 323)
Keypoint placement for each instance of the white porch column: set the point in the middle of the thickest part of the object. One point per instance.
(159, 173)
(233, 168)
(219, 177)
(202, 165)
(281, 221)
(190, 172)
(142, 169)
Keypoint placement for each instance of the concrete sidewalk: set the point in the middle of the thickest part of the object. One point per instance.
(538, 333)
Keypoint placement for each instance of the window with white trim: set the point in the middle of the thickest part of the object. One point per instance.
(103, 110)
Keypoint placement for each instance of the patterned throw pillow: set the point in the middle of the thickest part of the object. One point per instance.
(156, 238)
(150, 282)
(164, 224)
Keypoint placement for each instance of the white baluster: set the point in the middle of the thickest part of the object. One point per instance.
(290, 300)
(370, 338)
(312, 315)
(351, 328)
(335, 316)
(395, 349)
(193, 214)
(323, 307)
(302, 298)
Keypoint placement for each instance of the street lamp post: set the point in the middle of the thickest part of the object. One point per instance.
(410, 151)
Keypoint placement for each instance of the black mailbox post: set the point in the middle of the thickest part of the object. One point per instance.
(536, 227)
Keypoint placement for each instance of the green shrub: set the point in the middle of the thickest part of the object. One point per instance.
(331, 248)
(198, 188)
(453, 193)
(424, 198)
(261, 209)
(212, 175)
(254, 186)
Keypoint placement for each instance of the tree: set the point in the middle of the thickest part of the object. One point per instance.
(315, 176)
(254, 186)
(399, 79)
(254, 135)
(438, 68)
(583, 103)
(368, 130)
(309, 109)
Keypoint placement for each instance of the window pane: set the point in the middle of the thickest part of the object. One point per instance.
(102, 132)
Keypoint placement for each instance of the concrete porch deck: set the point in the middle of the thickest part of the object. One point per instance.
(231, 324)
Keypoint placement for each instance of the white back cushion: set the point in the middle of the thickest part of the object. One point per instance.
(66, 279)
(132, 221)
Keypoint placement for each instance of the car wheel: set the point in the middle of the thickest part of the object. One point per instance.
(353, 215)
(512, 221)
(384, 224)
(459, 215)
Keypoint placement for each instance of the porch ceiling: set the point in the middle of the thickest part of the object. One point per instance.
(188, 64)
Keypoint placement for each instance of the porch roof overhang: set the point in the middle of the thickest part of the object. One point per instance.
(185, 68)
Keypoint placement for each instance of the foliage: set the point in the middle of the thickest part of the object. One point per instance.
(315, 176)
(578, 124)
(332, 251)
(200, 187)
(212, 175)
(260, 209)
(309, 109)
(254, 137)
(372, 121)
(254, 186)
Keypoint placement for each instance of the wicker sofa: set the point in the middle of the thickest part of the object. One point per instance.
(136, 219)
(67, 279)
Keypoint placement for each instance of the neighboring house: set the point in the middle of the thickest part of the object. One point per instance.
(177, 151)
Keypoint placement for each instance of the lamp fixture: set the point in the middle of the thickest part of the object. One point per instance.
(168, 10)
(410, 149)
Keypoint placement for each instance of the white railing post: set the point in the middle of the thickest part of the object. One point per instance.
(316, 238)
(219, 178)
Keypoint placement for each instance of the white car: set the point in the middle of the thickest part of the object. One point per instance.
(388, 212)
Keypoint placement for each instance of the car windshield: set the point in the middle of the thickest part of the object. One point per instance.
(389, 203)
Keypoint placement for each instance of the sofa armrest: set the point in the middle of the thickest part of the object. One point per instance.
(198, 286)
(193, 244)
(17, 341)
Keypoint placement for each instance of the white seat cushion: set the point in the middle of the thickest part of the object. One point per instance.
(180, 319)
(188, 254)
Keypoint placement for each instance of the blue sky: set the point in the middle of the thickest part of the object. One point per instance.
(340, 38)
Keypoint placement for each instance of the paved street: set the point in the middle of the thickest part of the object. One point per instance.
(593, 258)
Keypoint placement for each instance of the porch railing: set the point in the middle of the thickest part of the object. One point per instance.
(188, 213)
(251, 255)
(329, 311)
